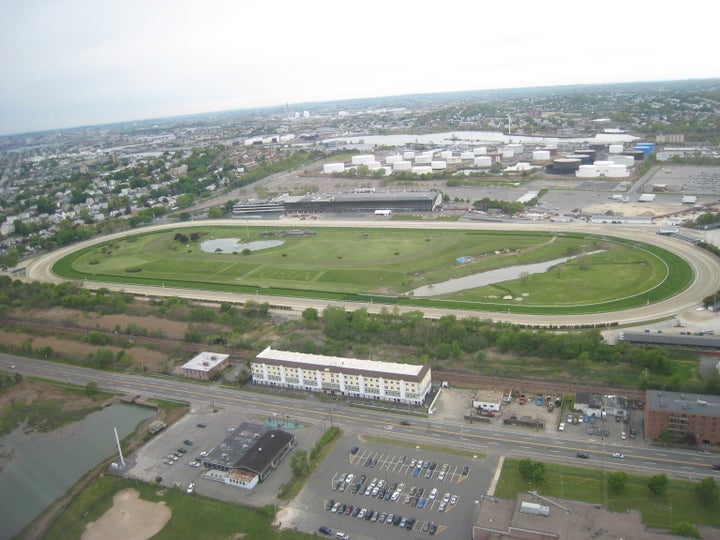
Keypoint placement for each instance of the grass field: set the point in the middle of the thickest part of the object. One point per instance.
(388, 264)
(590, 485)
(193, 516)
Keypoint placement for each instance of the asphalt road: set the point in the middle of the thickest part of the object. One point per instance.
(493, 439)
(706, 277)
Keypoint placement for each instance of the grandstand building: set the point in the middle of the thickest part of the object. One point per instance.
(367, 379)
(396, 201)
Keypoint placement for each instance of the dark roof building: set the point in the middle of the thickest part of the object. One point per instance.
(397, 201)
(249, 454)
(703, 342)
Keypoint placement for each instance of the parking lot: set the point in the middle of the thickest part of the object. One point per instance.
(160, 457)
(382, 491)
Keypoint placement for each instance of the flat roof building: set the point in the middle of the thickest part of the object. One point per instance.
(690, 418)
(205, 365)
(367, 379)
(248, 455)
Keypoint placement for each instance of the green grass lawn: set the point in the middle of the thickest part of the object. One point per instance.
(590, 485)
(390, 263)
(193, 516)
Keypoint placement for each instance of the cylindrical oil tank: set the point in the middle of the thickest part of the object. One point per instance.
(408, 155)
(615, 148)
(422, 169)
(438, 165)
(552, 148)
(423, 160)
(446, 154)
(363, 159)
(329, 168)
(584, 159)
(617, 171)
(517, 148)
(402, 166)
(541, 155)
(622, 159)
(467, 155)
(638, 155)
(508, 153)
(566, 165)
(480, 150)
(482, 161)
(587, 171)
(587, 152)
(393, 159)
(602, 166)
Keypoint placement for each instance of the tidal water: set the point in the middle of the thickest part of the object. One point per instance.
(41, 467)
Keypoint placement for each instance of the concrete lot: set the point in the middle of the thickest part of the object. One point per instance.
(308, 511)
(148, 461)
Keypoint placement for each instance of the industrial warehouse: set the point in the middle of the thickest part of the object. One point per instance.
(367, 379)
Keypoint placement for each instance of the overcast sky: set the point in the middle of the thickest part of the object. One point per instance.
(68, 63)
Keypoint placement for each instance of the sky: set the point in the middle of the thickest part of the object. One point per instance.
(68, 63)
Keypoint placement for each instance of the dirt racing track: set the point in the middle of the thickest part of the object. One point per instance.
(706, 280)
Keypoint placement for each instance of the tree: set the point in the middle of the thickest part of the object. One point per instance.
(299, 463)
(658, 484)
(310, 314)
(91, 388)
(532, 471)
(215, 212)
(708, 491)
(616, 481)
(685, 528)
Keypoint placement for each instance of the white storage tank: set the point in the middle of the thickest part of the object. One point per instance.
(517, 148)
(422, 169)
(620, 159)
(541, 155)
(393, 159)
(374, 166)
(329, 168)
(508, 153)
(480, 150)
(423, 160)
(615, 148)
(363, 159)
(408, 154)
(446, 154)
(467, 155)
(617, 171)
(402, 166)
(603, 166)
(587, 171)
(438, 165)
(482, 161)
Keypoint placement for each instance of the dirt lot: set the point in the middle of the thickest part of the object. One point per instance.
(130, 518)
(74, 324)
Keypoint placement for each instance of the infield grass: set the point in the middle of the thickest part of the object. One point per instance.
(387, 265)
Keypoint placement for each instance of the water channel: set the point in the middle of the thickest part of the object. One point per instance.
(234, 245)
(42, 466)
(489, 277)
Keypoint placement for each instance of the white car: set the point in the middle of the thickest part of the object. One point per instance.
(191, 487)
(561, 427)
(618, 455)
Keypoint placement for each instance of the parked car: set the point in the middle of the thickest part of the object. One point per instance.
(191, 487)
(188, 442)
(325, 530)
(201, 425)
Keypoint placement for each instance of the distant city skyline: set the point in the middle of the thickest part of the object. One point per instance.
(89, 62)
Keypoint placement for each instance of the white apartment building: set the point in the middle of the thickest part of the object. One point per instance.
(368, 379)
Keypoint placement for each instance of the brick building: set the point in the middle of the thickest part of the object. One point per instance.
(684, 416)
